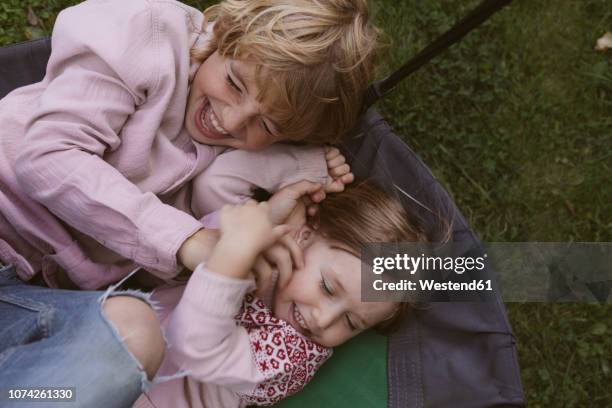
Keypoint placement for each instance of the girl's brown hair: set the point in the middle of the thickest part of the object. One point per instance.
(363, 214)
(315, 59)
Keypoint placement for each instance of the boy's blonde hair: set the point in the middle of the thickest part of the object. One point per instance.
(315, 59)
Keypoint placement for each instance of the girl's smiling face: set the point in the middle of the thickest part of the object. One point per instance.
(323, 299)
(223, 107)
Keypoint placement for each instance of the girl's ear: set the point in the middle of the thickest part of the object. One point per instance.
(304, 236)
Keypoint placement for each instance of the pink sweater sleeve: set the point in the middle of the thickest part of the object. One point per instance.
(104, 66)
(234, 174)
(203, 337)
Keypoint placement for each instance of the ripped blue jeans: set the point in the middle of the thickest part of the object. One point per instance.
(60, 338)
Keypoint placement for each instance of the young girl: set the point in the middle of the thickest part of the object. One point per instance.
(236, 353)
(57, 338)
(96, 160)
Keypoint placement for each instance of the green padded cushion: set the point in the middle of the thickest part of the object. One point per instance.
(354, 377)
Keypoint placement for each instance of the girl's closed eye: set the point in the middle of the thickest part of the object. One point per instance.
(350, 323)
(329, 292)
(325, 287)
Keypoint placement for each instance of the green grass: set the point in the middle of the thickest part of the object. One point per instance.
(522, 106)
(516, 122)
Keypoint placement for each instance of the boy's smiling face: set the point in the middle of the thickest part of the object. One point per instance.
(323, 299)
(223, 107)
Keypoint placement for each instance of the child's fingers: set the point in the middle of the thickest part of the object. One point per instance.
(331, 152)
(284, 258)
(279, 230)
(303, 187)
(294, 250)
(263, 275)
(336, 161)
(340, 170)
(280, 258)
(335, 186)
(312, 210)
(348, 178)
(297, 190)
(318, 195)
(311, 207)
(262, 270)
(296, 255)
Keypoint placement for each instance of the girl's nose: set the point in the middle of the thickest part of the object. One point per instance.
(327, 315)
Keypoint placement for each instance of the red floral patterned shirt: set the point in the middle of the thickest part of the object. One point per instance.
(287, 359)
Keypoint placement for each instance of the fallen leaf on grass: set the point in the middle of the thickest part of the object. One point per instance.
(604, 43)
(32, 18)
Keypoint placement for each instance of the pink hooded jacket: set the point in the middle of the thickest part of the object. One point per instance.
(95, 165)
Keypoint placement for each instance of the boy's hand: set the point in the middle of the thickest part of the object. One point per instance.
(287, 205)
(339, 172)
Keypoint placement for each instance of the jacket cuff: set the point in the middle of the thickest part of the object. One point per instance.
(217, 294)
(161, 234)
(311, 165)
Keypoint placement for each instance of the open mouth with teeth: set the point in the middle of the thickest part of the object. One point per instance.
(298, 318)
(208, 124)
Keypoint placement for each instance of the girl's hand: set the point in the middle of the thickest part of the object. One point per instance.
(339, 172)
(197, 248)
(249, 226)
(246, 230)
(284, 256)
